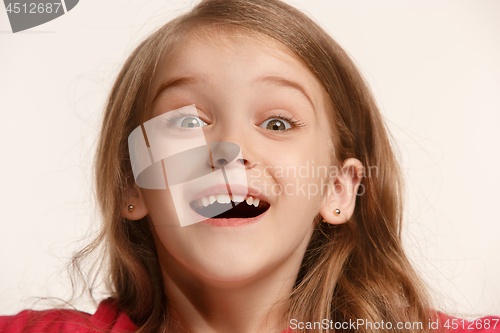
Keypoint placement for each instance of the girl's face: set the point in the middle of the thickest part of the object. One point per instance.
(252, 93)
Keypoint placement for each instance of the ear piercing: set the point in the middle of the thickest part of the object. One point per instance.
(336, 212)
(130, 208)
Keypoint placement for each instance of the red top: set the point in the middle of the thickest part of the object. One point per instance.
(108, 319)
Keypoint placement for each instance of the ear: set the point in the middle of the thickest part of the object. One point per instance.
(342, 193)
(134, 206)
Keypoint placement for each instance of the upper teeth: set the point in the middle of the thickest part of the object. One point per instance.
(225, 199)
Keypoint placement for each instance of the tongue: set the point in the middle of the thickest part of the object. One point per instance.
(240, 210)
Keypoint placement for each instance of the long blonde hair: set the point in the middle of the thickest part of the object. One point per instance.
(356, 270)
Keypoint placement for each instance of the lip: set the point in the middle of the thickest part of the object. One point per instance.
(234, 188)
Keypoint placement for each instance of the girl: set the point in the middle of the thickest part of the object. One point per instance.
(308, 239)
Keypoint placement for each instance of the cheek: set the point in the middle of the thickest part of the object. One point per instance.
(161, 208)
(301, 167)
(298, 179)
(174, 243)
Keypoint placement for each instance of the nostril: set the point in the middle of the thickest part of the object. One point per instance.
(222, 161)
(245, 163)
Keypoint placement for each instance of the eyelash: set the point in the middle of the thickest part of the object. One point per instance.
(295, 123)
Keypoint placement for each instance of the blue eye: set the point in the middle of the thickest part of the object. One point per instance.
(189, 122)
(276, 124)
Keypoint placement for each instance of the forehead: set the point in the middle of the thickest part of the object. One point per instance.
(215, 55)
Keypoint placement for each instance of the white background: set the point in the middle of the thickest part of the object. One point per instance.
(433, 66)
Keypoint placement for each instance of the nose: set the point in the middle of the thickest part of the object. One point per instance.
(223, 153)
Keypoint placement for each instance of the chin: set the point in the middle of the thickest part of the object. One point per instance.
(233, 266)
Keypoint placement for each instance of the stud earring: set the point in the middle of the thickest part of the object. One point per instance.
(336, 212)
(130, 208)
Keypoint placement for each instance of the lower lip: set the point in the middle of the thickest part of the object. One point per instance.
(234, 222)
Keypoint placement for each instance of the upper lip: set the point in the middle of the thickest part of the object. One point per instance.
(234, 189)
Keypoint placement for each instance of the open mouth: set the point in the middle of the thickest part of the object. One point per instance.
(234, 206)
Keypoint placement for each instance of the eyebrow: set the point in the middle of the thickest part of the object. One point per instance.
(271, 79)
(282, 82)
(176, 82)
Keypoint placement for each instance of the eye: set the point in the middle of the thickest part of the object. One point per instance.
(275, 124)
(188, 122)
(278, 123)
